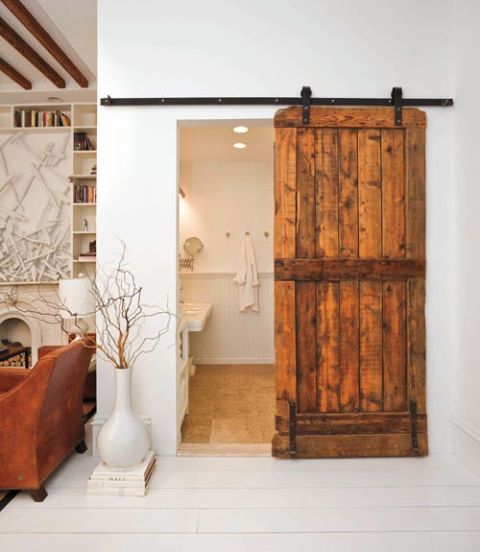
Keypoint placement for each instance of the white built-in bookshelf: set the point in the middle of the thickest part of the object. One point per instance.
(79, 122)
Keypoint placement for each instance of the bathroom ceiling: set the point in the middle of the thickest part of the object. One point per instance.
(215, 143)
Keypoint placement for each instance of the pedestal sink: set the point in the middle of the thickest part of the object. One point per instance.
(195, 315)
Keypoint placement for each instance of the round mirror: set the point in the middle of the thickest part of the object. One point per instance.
(193, 246)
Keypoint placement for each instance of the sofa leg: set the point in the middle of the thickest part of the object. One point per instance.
(81, 447)
(39, 495)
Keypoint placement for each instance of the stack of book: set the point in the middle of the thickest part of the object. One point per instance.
(87, 257)
(28, 118)
(91, 254)
(83, 142)
(85, 193)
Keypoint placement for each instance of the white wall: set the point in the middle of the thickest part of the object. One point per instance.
(466, 323)
(233, 197)
(348, 48)
(223, 197)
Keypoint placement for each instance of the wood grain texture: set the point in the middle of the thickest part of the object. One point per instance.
(394, 347)
(369, 194)
(285, 192)
(34, 27)
(285, 346)
(306, 346)
(354, 423)
(326, 158)
(371, 343)
(415, 194)
(349, 347)
(416, 354)
(335, 269)
(366, 329)
(350, 117)
(348, 193)
(13, 74)
(350, 446)
(305, 216)
(328, 319)
(393, 194)
(17, 42)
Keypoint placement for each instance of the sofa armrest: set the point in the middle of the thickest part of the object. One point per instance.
(11, 377)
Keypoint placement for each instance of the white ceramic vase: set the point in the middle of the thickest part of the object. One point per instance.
(123, 441)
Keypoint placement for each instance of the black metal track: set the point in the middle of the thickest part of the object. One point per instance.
(296, 100)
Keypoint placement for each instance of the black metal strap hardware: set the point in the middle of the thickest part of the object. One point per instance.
(292, 430)
(397, 94)
(413, 428)
(306, 94)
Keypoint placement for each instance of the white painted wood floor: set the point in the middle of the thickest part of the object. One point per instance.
(258, 504)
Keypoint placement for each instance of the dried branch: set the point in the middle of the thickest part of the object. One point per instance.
(122, 316)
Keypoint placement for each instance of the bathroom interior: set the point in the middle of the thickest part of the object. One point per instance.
(225, 370)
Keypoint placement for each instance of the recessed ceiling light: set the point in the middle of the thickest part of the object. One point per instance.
(54, 99)
(240, 129)
(239, 145)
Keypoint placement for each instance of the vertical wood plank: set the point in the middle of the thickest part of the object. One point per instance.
(415, 195)
(285, 192)
(306, 315)
(326, 158)
(393, 194)
(285, 346)
(416, 342)
(328, 346)
(305, 237)
(394, 347)
(371, 385)
(349, 347)
(348, 193)
(369, 194)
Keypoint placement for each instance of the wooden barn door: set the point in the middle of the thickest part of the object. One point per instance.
(350, 283)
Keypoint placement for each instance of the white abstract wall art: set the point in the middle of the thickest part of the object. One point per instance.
(35, 206)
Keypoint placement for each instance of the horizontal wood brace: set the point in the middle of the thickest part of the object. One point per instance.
(353, 423)
(351, 117)
(344, 269)
(349, 446)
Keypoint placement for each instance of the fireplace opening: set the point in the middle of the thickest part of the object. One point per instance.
(14, 330)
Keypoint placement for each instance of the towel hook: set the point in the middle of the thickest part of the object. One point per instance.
(227, 235)
(247, 233)
(266, 234)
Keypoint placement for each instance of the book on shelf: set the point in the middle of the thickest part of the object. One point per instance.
(85, 193)
(83, 142)
(31, 118)
(87, 257)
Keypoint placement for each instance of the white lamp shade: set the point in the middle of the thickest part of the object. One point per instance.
(76, 295)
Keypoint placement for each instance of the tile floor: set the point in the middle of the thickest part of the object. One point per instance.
(258, 504)
(231, 404)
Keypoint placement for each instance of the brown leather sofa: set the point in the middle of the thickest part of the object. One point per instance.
(90, 390)
(41, 420)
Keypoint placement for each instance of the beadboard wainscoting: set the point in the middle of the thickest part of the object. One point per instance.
(230, 336)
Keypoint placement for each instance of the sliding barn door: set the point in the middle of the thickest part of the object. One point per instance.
(350, 283)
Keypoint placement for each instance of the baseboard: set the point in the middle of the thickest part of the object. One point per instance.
(466, 444)
(227, 360)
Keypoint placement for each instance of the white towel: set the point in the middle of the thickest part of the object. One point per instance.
(247, 277)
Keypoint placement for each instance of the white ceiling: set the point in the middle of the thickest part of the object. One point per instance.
(214, 142)
(73, 26)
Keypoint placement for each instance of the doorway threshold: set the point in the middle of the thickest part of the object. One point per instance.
(225, 449)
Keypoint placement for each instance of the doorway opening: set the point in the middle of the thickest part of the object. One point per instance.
(225, 369)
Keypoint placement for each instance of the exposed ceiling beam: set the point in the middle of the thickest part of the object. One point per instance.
(29, 21)
(15, 40)
(14, 75)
